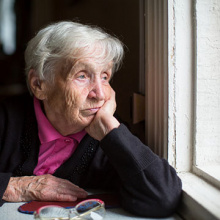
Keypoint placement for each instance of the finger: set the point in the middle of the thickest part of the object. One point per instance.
(53, 195)
(63, 186)
(112, 100)
(67, 198)
(56, 194)
(67, 185)
(73, 191)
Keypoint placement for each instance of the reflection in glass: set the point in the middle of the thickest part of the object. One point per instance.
(7, 27)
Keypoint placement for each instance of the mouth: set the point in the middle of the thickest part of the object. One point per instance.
(92, 111)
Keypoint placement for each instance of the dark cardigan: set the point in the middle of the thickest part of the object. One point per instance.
(147, 185)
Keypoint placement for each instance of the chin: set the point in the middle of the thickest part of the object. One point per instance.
(85, 122)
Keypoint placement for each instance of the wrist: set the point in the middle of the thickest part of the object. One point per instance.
(110, 123)
(114, 123)
(9, 193)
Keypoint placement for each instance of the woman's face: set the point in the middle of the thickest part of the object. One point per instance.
(74, 99)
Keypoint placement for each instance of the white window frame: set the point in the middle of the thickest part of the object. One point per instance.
(200, 199)
(170, 62)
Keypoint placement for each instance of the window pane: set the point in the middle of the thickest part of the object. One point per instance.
(7, 26)
(208, 87)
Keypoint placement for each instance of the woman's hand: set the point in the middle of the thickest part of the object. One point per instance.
(43, 188)
(104, 121)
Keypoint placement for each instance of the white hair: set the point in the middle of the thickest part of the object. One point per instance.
(66, 40)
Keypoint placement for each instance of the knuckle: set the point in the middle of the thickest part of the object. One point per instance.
(44, 195)
(59, 196)
(48, 178)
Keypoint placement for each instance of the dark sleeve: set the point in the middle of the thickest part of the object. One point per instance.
(11, 117)
(150, 186)
(4, 179)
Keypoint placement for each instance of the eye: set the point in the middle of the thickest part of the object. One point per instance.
(81, 75)
(105, 77)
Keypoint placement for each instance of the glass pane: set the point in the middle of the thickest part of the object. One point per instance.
(7, 26)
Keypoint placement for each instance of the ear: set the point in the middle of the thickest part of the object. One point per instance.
(37, 86)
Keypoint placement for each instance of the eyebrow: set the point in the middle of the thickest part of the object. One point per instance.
(80, 66)
(83, 65)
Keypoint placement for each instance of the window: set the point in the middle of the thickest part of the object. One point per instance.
(7, 26)
(182, 50)
(193, 90)
(207, 123)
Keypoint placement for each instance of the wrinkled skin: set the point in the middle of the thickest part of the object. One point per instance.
(73, 101)
(80, 99)
(45, 188)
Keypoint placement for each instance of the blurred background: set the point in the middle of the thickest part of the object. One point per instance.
(21, 19)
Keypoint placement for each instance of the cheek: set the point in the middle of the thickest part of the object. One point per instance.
(54, 99)
(107, 91)
(70, 98)
(75, 97)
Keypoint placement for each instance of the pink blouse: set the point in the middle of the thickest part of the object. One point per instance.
(55, 149)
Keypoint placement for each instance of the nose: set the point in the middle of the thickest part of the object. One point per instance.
(97, 91)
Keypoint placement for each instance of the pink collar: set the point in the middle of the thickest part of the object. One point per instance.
(46, 131)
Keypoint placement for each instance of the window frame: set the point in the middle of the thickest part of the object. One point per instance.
(176, 140)
(196, 169)
(182, 102)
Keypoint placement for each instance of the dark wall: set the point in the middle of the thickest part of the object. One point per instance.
(120, 18)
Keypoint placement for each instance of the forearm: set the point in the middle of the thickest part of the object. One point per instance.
(18, 188)
(147, 180)
(156, 193)
(126, 152)
(43, 188)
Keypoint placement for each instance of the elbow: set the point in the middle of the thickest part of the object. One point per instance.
(168, 204)
(153, 207)
(160, 205)
(153, 195)
(170, 198)
(167, 200)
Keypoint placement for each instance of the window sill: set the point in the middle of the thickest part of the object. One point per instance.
(200, 199)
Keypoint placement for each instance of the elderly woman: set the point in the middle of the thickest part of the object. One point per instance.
(65, 138)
